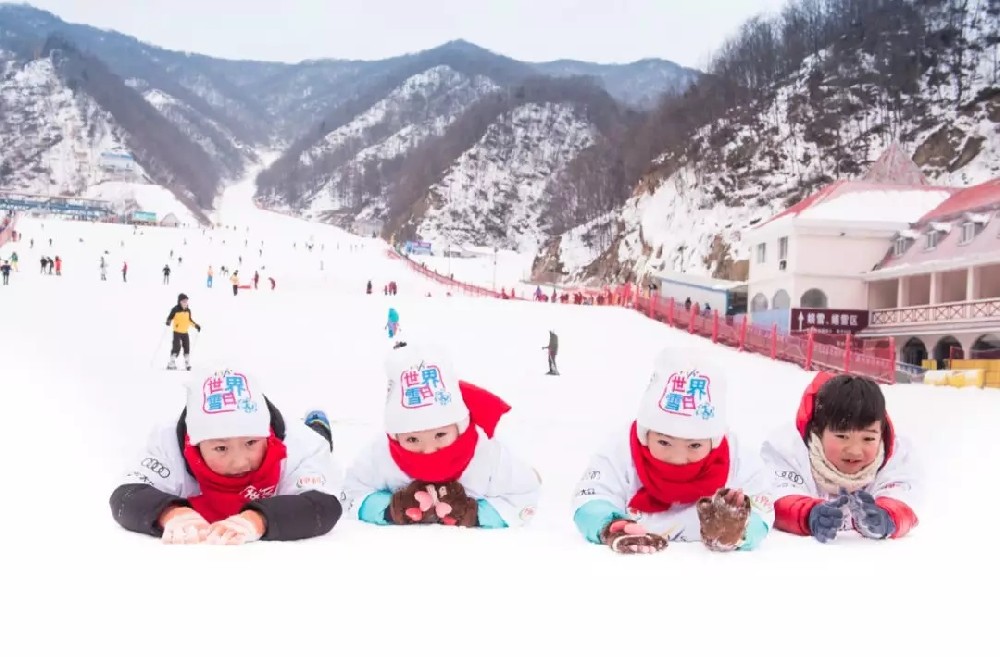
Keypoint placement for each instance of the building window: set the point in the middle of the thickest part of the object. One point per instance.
(900, 246)
(969, 231)
(761, 253)
(782, 248)
(931, 240)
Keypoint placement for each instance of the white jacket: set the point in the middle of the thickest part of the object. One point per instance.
(307, 466)
(611, 477)
(786, 457)
(508, 484)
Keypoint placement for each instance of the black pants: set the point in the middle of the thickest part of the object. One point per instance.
(181, 340)
(552, 362)
(235, 289)
(6, 275)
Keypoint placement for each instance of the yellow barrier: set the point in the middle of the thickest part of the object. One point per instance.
(956, 378)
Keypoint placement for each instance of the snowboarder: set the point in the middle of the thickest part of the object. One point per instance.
(5, 271)
(682, 472)
(230, 478)
(842, 467)
(181, 321)
(166, 274)
(271, 281)
(553, 349)
(436, 442)
(393, 324)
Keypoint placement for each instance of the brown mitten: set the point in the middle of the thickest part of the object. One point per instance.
(455, 507)
(723, 519)
(627, 537)
(406, 509)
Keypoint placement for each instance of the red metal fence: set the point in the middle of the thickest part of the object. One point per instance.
(810, 351)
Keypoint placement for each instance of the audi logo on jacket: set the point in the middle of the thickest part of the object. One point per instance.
(304, 503)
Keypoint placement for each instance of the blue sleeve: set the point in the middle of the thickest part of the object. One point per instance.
(374, 506)
(756, 531)
(594, 516)
(488, 516)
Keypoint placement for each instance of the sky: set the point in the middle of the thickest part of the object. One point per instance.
(606, 31)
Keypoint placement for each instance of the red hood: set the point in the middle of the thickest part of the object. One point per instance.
(805, 413)
(485, 408)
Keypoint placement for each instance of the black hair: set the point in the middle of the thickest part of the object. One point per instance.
(847, 402)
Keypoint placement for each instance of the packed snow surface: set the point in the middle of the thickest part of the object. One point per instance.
(83, 381)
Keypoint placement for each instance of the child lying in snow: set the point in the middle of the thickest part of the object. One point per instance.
(230, 471)
(434, 465)
(842, 467)
(679, 475)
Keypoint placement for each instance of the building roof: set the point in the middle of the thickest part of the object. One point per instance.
(699, 281)
(893, 190)
(895, 167)
(981, 203)
(859, 202)
(978, 198)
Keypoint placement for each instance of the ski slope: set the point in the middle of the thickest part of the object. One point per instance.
(83, 381)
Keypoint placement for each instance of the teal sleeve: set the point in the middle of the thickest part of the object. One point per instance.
(374, 506)
(594, 516)
(756, 531)
(488, 516)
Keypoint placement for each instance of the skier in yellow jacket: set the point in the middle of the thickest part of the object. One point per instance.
(181, 321)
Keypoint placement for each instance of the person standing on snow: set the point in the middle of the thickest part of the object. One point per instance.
(553, 349)
(5, 271)
(211, 275)
(166, 274)
(256, 279)
(841, 467)
(235, 280)
(181, 321)
(14, 260)
(104, 269)
(124, 272)
(393, 324)
(230, 478)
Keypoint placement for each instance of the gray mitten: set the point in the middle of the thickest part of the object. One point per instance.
(871, 520)
(826, 519)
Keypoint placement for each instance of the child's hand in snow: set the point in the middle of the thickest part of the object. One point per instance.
(723, 519)
(182, 525)
(405, 508)
(871, 520)
(244, 527)
(825, 519)
(628, 537)
(453, 506)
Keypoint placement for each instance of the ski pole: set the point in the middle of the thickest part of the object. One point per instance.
(159, 346)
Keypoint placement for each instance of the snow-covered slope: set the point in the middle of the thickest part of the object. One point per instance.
(495, 193)
(53, 137)
(341, 170)
(828, 121)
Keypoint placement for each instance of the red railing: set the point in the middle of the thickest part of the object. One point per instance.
(811, 351)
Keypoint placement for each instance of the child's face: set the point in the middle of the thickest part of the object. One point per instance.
(677, 451)
(184, 304)
(852, 451)
(429, 441)
(233, 457)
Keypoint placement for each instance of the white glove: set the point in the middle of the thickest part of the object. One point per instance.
(234, 530)
(185, 526)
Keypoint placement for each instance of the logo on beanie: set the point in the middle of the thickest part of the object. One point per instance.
(688, 394)
(225, 392)
(423, 386)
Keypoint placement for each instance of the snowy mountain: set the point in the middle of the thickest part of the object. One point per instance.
(640, 83)
(831, 118)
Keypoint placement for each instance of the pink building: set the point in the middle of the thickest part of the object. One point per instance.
(914, 261)
(937, 290)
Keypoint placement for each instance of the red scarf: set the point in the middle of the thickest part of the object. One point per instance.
(448, 464)
(664, 484)
(223, 496)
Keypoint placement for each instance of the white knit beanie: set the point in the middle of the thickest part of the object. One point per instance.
(423, 391)
(226, 403)
(685, 398)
